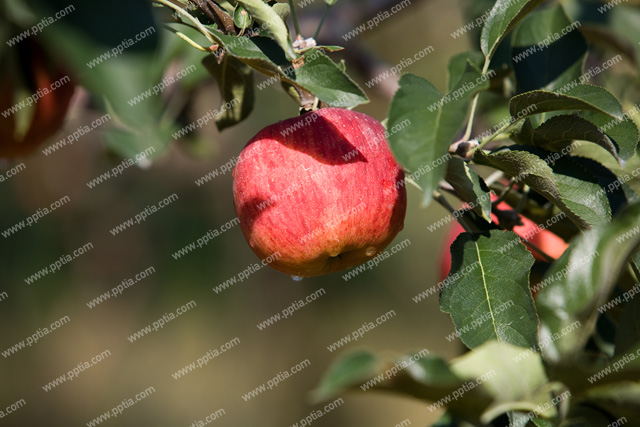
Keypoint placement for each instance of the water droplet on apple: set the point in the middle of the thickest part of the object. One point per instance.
(297, 278)
(371, 251)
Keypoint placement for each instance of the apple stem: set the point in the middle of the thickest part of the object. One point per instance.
(445, 203)
(324, 16)
(295, 19)
(537, 249)
(504, 193)
(490, 138)
(187, 39)
(523, 200)
(474, 103)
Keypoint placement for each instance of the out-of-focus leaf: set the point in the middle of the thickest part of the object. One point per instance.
(541, 422)
(282, 9)
(624, 20)
(349, 370)
(581, 281)
(458, 65)
(488, 294)
(619, 400)
(628, 331)
(105, 59)
(235, 80)
(513, 386)
(608, 181)
(540, 68)
(623, 133)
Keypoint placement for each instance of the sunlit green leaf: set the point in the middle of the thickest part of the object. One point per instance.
(580, 97)
(504, 16)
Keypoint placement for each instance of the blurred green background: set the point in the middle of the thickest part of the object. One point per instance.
(217, 318)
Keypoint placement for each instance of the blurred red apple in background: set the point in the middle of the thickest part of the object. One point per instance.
(548, 242)
(51, 91)
(321, 190)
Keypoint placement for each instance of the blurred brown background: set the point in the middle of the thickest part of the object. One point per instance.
(217, 318)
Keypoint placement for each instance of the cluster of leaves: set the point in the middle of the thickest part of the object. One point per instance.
(562, 156)
(257, 37)
(232, 40)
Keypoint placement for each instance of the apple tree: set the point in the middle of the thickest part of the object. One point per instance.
(534, 124)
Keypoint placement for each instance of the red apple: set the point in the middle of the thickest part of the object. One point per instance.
(548, 242)
(321, 190)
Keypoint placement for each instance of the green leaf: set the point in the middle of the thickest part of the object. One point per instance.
(241, 17)
(573, 189)
(542, 68)
(580, 97)
(608, 181)
(513, 386)
(282, 9)
(478, 385)
(261, 53)
(623, 21)
(519, 419)
(330, 2)
(434, 122)
(318, 75)
(351, 369)
(623, 133)
(628, 331)
(503, 17)
(458, 66)
(128, 143)
(235, 80)
(619, 400)
(470, 187)
(541, 422)
(488, 294)
(580, 413)
(446, 420)
(428, 378)
(322, 77)
(558, 132)
(271, 22)
(122, 79)
(581, 281)
(416, 145)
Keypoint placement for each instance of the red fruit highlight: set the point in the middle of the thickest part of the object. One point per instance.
(321, 190)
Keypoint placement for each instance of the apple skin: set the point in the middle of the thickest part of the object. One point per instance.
(50, 110)
(548, 242)
(322, 189)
